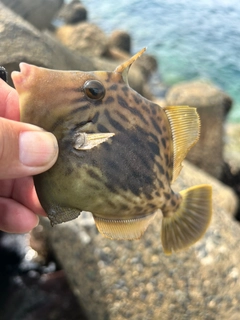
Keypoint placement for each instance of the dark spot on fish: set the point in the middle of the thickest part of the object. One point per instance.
(94, 175)
(111, 204)
(151, 205)
(113, 87)
(167, 195)
(167, 176)
(109, 100)
(122, 116)
(109, 77)
(160, 168)
(137, 98)
(80, 109)
(156, 126)
(124, 207)
(93, 186)
(157, 194)
(148, 196)
(125, 90)
(113, 122)
(102, 128)
(154, 147)
(161, 185)
(145, 108)
(164, 142)
(95, 118)
(154, 137)
(123, 103)
(173, 203)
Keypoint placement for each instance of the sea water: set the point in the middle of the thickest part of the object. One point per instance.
(190, 39)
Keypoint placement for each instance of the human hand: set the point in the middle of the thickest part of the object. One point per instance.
(25, 150)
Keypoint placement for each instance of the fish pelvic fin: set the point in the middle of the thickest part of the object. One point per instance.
(188, 224)
(123, 229)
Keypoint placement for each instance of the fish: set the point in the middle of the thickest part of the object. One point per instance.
(119, 153)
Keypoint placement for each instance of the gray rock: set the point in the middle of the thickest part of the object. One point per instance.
(135, 280)
(72, 12)
(84, 38)
(20, 41)
(213, 105)
(121, 40)
(38, 12)
(232, 146)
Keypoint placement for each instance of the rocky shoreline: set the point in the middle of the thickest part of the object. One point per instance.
(104, 279)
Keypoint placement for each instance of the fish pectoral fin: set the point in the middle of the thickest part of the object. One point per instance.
(86, 141)
(187, 225)
(185, 127)
(123, 229)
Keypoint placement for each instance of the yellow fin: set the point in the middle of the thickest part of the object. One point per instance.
(126, 229)
(189, 223)
(185, 127)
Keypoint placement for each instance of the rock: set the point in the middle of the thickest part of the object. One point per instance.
(213, 105)
(20, 41)
(38, 12)
(121, 40)
(232, 146)
(72, 12)
(84, 38)
(135, 280)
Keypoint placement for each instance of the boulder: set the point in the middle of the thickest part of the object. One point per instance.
(20, 41)
(135, 280)
(38, 12)
(213, 105)
(232, 146)
(72, 12)
(121, 40)
(83, 38)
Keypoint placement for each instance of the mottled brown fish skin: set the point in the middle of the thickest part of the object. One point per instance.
(125, 178)
(130, 174)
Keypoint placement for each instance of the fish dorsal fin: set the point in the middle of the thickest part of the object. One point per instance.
(125, 66)
(185, 128)
(123, 229)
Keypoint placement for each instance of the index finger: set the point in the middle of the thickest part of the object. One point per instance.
(9, 102)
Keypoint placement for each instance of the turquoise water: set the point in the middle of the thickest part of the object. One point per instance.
(190, 39)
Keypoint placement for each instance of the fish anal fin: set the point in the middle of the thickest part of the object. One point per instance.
(123, 229)
(185, 128)
(187, 225)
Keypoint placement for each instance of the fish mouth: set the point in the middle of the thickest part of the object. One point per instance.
(21, 78)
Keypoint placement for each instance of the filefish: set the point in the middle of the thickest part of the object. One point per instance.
(118, 154)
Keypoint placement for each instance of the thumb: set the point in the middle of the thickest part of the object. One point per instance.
(25, 150)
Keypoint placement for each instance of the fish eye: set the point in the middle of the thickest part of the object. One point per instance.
(94, 89)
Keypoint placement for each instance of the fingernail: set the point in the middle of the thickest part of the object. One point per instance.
(37, 148)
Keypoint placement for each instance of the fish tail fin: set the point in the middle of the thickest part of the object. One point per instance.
(188, 224)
